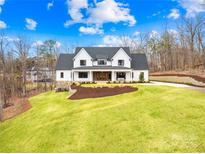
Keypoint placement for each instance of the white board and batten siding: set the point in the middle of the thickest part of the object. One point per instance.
(136, 75)
(77, 79)
(67, 75)
(82, 55)
(121, 55)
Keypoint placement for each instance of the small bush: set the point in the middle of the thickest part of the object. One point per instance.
(141, 77)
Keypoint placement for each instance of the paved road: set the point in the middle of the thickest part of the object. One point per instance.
(177, 85)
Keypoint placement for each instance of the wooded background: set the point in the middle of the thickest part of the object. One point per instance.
(182, 49)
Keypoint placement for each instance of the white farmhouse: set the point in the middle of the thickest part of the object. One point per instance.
(101, 64)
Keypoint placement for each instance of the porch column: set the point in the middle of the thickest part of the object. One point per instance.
(131, 76)
(91, 76)
(73, 76)
(113, 76)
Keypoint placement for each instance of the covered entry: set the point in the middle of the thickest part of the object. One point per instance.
(102, 76)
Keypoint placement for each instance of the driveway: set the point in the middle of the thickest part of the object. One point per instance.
(177, 85)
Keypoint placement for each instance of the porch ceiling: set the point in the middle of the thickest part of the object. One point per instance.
(102, 68)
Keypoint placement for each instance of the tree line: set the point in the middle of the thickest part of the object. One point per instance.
(15, 61)
(181, 49)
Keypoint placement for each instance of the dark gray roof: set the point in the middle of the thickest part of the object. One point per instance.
(101, 67)
(65, 62)
(107, 52)
(139, 61)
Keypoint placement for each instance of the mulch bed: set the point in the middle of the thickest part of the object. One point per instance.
(90, 92)
(195, 77)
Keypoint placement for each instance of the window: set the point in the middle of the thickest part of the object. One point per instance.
(102, 61)
(62, 75)
(120, 62)
(83, 75)
(121, 75)
(82, 62)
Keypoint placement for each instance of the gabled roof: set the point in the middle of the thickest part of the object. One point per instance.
(65, 62)
(101, 67)
(139, 61)
(103, 52)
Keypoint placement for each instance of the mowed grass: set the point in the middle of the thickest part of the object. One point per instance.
(153, 119)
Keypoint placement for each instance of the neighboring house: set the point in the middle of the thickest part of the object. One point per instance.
(39, 74)
(101, 64)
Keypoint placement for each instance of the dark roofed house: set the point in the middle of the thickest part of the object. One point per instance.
(101, 64)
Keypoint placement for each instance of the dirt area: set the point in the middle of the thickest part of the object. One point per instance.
(177, 79)
(200, 77)
(20, 105)
(91, 92)
(200, 89)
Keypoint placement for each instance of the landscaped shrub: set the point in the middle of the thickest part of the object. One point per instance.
(61, 89)
(141, 77)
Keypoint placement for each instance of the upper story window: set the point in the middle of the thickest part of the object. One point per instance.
(102, 62)
(82, 62)
(121, 62)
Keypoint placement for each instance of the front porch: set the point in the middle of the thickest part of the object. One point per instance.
(102, 75)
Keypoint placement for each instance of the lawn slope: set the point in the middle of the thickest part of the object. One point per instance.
(153, 119)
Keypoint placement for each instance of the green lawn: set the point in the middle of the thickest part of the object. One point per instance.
(153, 119)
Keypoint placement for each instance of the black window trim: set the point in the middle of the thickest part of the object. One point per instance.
(85, 76)
(123, 62)
(61, 75)
(84, 61)
(105, 61)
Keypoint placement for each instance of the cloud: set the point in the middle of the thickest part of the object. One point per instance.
(74, 10)
(99, 13)
(31, 24)
(156, 14)
(174, 14)
(90, 30)
(2, 2)
(173, 31)
(37, 43)
(154, 34)
(58, 44)
(137, 33)
(114, 40)
(111, 40)
(50, 5)
(192, 7)
(110, 11)
(3, 25)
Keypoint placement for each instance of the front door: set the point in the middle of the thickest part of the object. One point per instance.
(102, 76)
